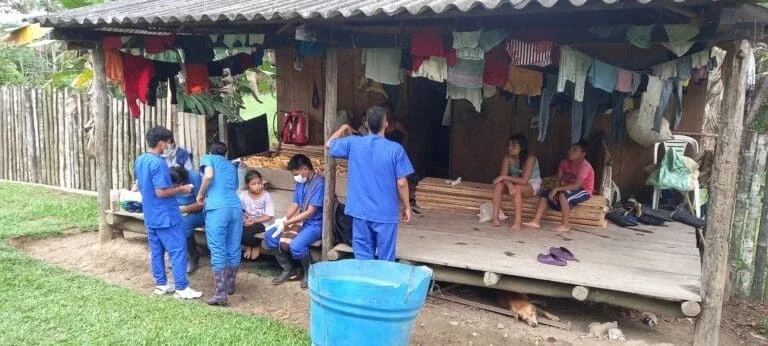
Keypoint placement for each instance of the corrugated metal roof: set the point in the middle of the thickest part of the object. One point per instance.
(170, 12)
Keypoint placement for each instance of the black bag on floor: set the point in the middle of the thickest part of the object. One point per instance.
(343, 225)
(618, 217)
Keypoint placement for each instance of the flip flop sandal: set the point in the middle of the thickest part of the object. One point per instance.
(551, 260)
(562, 253)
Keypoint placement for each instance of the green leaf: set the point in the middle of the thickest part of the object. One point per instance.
(83, 79)
(69, 4)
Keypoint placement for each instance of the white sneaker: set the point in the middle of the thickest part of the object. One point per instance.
(187, 293)
(165, 289)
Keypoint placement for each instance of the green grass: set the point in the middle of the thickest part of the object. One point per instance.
(44, 304)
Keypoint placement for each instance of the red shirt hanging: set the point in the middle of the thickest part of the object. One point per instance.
(137, 72)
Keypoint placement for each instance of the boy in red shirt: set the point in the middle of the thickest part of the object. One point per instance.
(575, 183)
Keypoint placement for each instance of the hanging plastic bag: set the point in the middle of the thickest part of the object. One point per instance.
(486, 212)
(674, 173)
(639, 129)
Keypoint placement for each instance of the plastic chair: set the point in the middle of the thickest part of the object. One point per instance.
(678, 144)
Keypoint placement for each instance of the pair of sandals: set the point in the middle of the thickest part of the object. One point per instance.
(557, 256)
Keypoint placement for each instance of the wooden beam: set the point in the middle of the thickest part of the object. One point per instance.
(100, 109)
(722, 194)
(29, 132)
(490, 279)
(580, 293)
(223, 133)
(331, 90)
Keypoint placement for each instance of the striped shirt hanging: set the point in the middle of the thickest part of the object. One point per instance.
(530, 53)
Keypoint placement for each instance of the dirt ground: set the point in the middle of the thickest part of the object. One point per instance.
(125, 262)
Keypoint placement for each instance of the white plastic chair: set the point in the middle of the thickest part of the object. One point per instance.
(678, 144)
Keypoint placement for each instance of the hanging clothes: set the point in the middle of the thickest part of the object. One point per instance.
(521, 81)
(425, 45)
(678, 48)
(467, 45)
(447, 113)
(473, 95)
(548, 93)
(643, 86)
(603, 76)
(197, 49)
(624, 81)
(670, 87)
(467, 73)
(158, 43)
(197, 81)
(496, 69)
(530, 53)
(666, 70)
(113, 66)
(637, 78)
(435, 68)
(383, 65)
(684, 68)
(136, 87)
(489, 39)
(649, 102)
(164, 72)
(488, 91)
(677, 33)
(474, 53)
(112, 42)
(700, 59)
(573, 67)
(640, 35)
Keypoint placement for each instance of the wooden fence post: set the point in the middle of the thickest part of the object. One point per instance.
(100, 106)
(329, 117)
(722, 194)
(31, 137)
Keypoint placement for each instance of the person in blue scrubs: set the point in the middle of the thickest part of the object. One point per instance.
(377, 179)
(223, 220)
(191, 211)
(162, 218)
(304, 218)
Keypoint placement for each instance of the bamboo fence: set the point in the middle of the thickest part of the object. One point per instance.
(42, 137)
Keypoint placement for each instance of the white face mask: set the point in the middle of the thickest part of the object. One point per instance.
(170, 152)
(299, 179)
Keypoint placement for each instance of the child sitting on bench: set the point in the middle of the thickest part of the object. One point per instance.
(574, 184)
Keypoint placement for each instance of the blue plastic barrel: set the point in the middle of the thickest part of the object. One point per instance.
(362, 303)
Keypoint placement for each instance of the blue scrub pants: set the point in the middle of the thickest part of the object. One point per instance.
(369, 236)
(310, 233)
(173, 240)
(223, 231)
(192, 221)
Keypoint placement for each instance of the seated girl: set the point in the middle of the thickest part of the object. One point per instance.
(258, 211)
(519, 176)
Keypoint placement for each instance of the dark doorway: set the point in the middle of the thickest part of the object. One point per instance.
(429, 139)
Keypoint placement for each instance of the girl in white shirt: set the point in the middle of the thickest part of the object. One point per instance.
(259, 211)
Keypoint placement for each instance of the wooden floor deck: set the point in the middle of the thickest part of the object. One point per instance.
(661, 262)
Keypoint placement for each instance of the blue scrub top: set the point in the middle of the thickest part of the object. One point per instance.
(152, 173)
(196, 180)
(375, 164)
(311, 193)
(222, 192)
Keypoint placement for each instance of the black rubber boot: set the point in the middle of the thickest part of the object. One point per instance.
(288, 270)
(306, 261)
(193, 256)
(220, 294)
(230, 276)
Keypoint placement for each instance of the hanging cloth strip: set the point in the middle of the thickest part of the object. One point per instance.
(603, 76)
(113, 66)
(530, 53)
(640, 35)
(473, 95)
(624, 81)
(434, 68)
(136, 87)
(523, 81)
(467, 73)
(496, 70)
(196, 78)
(383, 65)
(573, 67)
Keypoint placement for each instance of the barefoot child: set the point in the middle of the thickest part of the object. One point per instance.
(519, 177)
(574, 184)
(258, 212)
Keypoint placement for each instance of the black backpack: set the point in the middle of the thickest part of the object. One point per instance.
(342, 229)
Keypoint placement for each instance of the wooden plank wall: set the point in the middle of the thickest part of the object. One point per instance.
(59, 142)
(477, 141)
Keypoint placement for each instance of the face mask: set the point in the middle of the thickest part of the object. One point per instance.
(169, 152)
(299, 179)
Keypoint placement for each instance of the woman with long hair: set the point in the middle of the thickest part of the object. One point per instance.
(520, 177)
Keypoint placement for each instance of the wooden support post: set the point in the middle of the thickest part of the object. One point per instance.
(29, 132)
(100, 109)
(580, 293)
(722, 196)
(329, 117)
(223, 134)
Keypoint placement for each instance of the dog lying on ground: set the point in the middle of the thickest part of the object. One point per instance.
(523, 308)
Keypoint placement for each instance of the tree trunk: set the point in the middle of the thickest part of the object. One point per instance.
(714, 100)
(758, 280)
(722, 194)
(331, 94)
(29, 132)
(746, 162)
(100, 108)
(752, 220)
